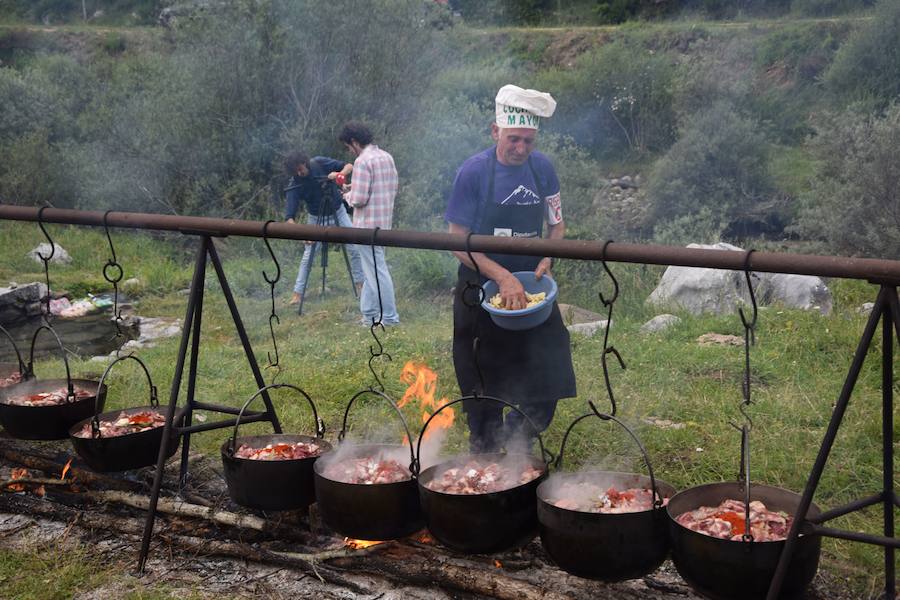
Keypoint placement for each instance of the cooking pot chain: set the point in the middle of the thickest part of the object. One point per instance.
(546, 455)
(607, 349)
(46, 261)
(373, 354)
(113, 279)
(70, 396)
(273, 317)
(320, 424)
(657, 497)
(749, 338)
(154, 398)
(23, 370)
(467, 293)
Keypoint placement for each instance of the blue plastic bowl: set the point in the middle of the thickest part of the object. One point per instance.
(523, 318)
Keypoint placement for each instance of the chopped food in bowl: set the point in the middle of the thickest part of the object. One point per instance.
(727, 521)
(279, 451)
(125, 424)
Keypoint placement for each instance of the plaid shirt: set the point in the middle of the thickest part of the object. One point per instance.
(373, 189)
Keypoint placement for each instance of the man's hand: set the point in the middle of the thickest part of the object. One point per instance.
(512, 294)
(543, 268)
(333, 175)
(291, 220)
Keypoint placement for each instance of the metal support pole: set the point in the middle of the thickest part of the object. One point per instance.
(242, 333)
(349, 270)
(879, 311)
(196, 288)
(890, 318)
(192, 369)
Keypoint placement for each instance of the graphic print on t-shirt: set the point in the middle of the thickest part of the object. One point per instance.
(521, 196)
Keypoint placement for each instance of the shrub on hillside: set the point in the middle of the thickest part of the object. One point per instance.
(853, 205)
(617, 100)
(867, 66)
(821, 8)
(713, 178)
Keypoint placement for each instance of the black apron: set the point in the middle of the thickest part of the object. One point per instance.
(521, 367)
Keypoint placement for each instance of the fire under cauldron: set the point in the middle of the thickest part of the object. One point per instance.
(131, 450)
(739, 570)
(48, 422)
(378, 511)
(609, 547)
(486, 522)
(272, 484)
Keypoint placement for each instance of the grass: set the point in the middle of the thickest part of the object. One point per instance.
(798, 365)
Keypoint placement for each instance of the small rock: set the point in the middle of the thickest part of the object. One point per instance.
(718, 339)
(60, 256)
(132, 284)
(588, 329)
(663, 423)
(866, 308)
(659, 323)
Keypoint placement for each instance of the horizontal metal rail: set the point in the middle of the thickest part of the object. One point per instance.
(872, 269)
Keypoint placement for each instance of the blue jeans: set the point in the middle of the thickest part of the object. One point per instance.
(342, 219)
(368, 300)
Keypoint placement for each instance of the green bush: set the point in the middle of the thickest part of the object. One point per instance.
(713, 178)
(617, 99)
(821, 8)
(867, 67)
(853, 205)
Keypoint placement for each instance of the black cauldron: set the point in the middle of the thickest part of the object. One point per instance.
(48, 422)
(481, 523)
(609, 547)
(380, 511)
(272, 484)
(129, 451)
(739, 570)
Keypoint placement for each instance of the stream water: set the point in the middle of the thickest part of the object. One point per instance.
(90, 335)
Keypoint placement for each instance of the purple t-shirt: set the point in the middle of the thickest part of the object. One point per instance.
(513, 186)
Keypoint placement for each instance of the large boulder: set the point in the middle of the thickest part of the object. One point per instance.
(698, 290)
(60, 256)
(796, 291)
(21, 301)
(717, 291)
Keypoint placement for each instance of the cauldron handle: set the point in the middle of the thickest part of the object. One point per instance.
(657, 497)
(154, 399)
(70, 396)
(22, 369)
(393, 404)
(744, 475)
(320, 425)
(545, 455)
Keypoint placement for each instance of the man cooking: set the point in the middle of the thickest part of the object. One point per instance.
(509, 190)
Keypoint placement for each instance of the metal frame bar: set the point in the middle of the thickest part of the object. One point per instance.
(767, 262)
(886, 310)
(886, 273)
(191, 332)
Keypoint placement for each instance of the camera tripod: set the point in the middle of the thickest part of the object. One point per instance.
(321, 220)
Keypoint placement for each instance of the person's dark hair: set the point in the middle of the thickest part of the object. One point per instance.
(354, 130)
(294, 160)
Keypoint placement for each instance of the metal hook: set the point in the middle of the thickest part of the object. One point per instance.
(114, 280)
(476, 285)
(607, 349)
(46, 261)
(611, 276)
(752, 324)
(272, 254)
(273, 316)
(380, 353)
(377, 283)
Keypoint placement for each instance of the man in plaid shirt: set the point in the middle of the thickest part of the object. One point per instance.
(371, 195)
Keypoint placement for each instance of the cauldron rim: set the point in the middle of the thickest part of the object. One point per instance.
(323, 444)
(428, 474)
(542, 497)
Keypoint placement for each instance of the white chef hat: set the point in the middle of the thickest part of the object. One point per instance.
(517, 107)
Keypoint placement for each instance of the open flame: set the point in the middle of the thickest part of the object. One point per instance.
(360, 544)
(65, 470)
(17, 474)
(422, 383)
